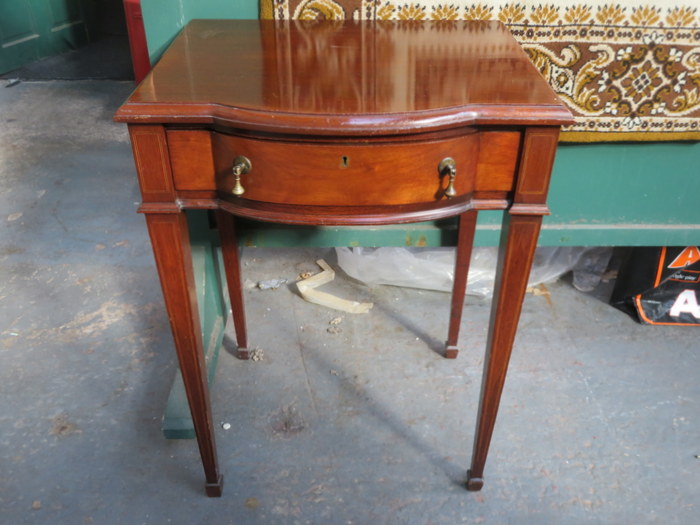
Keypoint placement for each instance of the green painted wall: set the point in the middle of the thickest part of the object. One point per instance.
(625, 194)
(619, 194)
(163, 19)
(34, 29)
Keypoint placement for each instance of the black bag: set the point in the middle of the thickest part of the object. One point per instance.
(660, 286)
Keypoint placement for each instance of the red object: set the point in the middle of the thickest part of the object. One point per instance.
(137, 39)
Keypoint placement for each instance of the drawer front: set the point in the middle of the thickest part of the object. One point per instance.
(339, 174)
(345, 174)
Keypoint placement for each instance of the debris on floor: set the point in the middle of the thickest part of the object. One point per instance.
(287, 421)
(62, 426)
(252, 503)
(271, 284)
(334, 327)
(307, 289)
(257, 355)
(538, 290)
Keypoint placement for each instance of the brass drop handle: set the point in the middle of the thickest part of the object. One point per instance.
(448, 167)
(241, 165)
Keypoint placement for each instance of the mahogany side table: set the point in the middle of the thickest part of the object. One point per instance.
(343, 123)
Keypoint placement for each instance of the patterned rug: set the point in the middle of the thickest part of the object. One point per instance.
(628, 71)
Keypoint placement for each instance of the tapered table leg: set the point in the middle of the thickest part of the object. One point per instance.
(518, 242)
(232, 266)
(465, 242)
(171, 247)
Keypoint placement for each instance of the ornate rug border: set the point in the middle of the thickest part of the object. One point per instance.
(619, 137)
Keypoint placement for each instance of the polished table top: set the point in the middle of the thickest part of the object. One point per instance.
(344, 78)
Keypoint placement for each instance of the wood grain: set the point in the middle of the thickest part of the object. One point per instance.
(192, 159)
(171, 248)
(150, 149)
(497, 161)
(539, 148)
(518, 242)
(311, 79)
(232, 266)
(463, 255)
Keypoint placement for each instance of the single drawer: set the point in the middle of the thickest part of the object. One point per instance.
(351, 173)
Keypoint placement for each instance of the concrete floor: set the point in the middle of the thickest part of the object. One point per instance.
(106, 58)
(599, 420)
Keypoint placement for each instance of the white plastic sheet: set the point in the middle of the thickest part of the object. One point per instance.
(433, 268)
